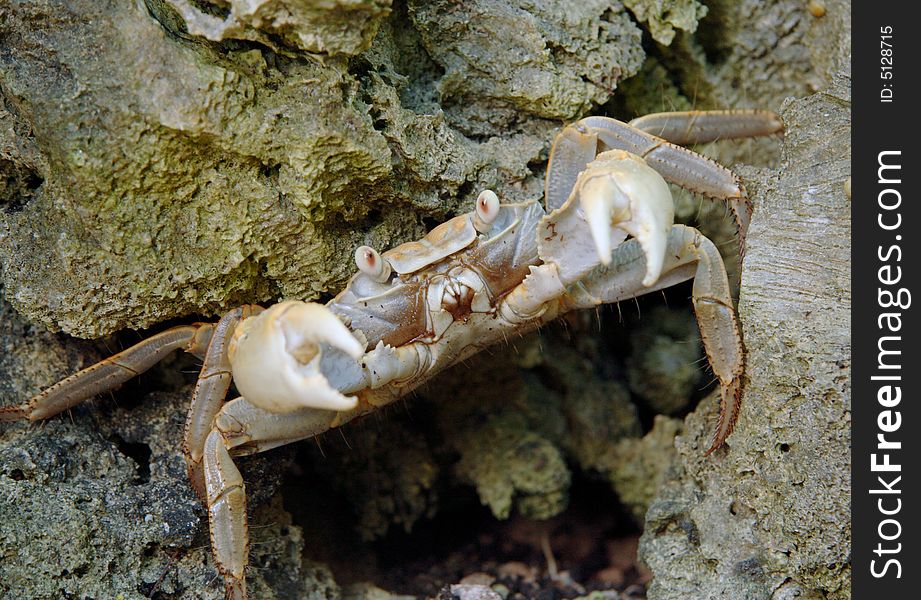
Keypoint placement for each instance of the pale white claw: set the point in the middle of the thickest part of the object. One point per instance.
(369, 261)
(487, 209)
(620, 190)
(652, 213)
(603, 204)
(275, 357)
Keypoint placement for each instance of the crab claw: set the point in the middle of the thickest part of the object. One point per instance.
(618, 190)
(276, 357)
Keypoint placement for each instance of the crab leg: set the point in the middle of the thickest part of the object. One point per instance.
(241, 428)
(688, 254)
(578, 144)
(676, 164)
(111, 372)
(701, 126)
(573, 149)
(226, 498)
(248, 429)
(210, 392)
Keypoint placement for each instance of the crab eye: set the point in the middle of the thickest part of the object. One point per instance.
(487, 209)
(369, 261)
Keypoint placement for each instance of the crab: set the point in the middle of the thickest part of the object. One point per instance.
(605, 233)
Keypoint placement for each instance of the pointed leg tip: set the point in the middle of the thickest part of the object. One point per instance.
(715, 444)
(730, 403)
(234, 589)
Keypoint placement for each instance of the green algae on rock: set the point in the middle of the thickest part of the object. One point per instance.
(172, 185)
(638, 467)
(388, 474)
(153, 175)
(516, 430)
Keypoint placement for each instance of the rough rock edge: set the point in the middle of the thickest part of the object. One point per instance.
(769, 517)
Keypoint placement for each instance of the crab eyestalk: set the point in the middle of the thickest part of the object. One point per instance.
(276, 357)
(369, 261)
(619, 190)
(487, 209)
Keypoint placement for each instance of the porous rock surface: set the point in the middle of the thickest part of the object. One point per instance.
(97, 504)
(148, 173)
(769, 516)
(319, 26)
(153, 174)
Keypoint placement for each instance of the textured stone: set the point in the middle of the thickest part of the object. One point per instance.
(663, 17)
(148, 175)
(664, 368)
(323, 26)
(769, 517)
(99, 505)
(172, 180)
(638, 467)
(552, 59)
